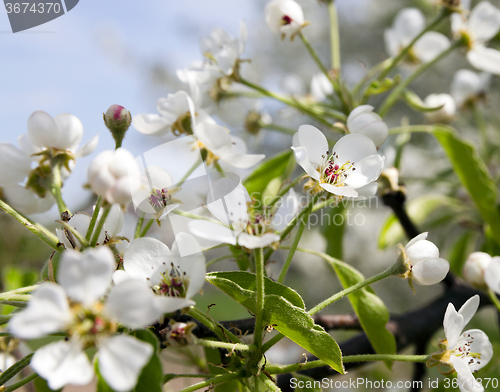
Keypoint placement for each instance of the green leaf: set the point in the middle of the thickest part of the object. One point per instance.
(460, 250)
(414, 101)
(246, 280)
(473, 174)
(370, 309)
(426, 212)
(41, 386)
(284, 310)
(334, 233)
(151, 377)
(279, 166)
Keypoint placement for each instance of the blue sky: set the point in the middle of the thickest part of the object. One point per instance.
(97, 55)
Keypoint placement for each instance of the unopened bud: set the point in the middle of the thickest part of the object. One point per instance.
(474, 268)
(118, 120)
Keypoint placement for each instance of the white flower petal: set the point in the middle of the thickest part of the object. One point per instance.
(88, 147)
(485, 59)
(70, 132)
(187, 255)
(421, 250)
(362, 120)
(469, 309)
(492, 275)
(254, 242)
(453, 324)
(409, 22)
(242, 161)
(25, 201)
(354, 147)
(14, 164)
(315, 143)
(151, 124)
(339, 190)
(121, 359)
(367, 170)
(86, 276)
(47, 312)
(146, 259)
(213, 232)
(227, 201)
(303, 160)
(480, 345)
(484, 21)
(420, 237)
(215, 138)
(158, 178)
(430, 45)
(42, 130)
(430, 271)
(133, 304)
(466, 381)
(62, 363)
(114, 221)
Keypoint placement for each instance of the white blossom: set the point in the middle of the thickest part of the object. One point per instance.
(468, 86)
(409, 23)
(478, 27)
(224, 50)
(364, 121)
(284, 17)
(468, 351)
(75, 307)
(63, 132)
(352, 164)
(175, 279)
(114, 175)
(447, 111)
(475, 268)
(321, 87)
(237, 226)
(492, 275)
(425, 267)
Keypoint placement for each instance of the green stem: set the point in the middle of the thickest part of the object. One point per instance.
(171, 376)
(334, 36)
(41, 232)
(22, 290)
(298, 235)
(260, 272)
(189, 172)
(21, 383)
(271, 342)
(93, 220)
(395, 94)
(146, 228)
(314, 56)
(393, 270)
(269, 384)
(55, 189)
(100, 225)
(314, 112)
(494, 299)
(227, 346)
(138, 226)
(15, 297)
(445, 12)
(213, 381)
(281, 369)
(75, 233)
(218, 329)
(212, 262)
(15, 369)
(370, 74)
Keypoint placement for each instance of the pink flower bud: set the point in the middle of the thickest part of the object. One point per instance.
(118, 120)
